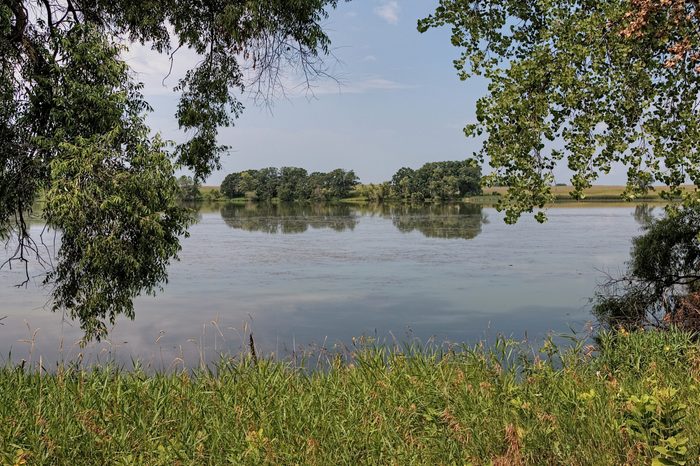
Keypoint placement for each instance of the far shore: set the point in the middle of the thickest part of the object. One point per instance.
(608, 195)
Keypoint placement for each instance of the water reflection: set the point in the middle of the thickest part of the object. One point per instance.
(439, 221)
(288, 218)
(433, 221)
(644, 214)
(382, 274)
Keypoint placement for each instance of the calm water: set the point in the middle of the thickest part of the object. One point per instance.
(298, 276)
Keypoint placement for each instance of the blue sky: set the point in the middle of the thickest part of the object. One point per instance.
(399, 101)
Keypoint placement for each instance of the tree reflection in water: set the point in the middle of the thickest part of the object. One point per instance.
(644, 214)
(447, 221)
(432, 220)
(288, 218)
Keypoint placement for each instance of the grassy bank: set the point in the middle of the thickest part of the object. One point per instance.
(633, 400)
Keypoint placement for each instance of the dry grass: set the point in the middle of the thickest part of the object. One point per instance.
(208, 189)
(597, 192)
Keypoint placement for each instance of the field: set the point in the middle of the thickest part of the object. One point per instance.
(207, 189)
(596, 192)
(631, 400)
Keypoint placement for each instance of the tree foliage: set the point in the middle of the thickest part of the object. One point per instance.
(438, 181)
(72, 127)
(290, 184)
(375, 192)
(589, 84)
(663, 278)
(189, 189)
(293, 184)
(230, 187)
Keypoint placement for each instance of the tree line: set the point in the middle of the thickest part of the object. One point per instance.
(289, 184)
(437, 181)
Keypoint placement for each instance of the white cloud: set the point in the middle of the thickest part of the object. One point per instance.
(388, 11)
(369, 58)
(360, 86)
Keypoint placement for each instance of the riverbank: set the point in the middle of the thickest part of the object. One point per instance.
(632, 399)
(597, 193)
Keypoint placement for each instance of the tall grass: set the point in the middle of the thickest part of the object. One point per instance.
(629, 400)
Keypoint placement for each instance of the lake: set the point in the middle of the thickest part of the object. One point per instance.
(302, 276)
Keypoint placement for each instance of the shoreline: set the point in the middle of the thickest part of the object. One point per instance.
(597, 193)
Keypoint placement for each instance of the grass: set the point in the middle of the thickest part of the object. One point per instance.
(354, 200)
(634, 399)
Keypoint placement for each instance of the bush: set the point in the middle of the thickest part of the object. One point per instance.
(661, 285)
(213, 196)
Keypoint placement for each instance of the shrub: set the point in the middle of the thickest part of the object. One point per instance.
(662, 278)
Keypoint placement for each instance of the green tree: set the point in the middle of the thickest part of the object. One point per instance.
(189, 188)
(438, 181)
(336, 184)
(266, 183)
(73, 127)
(248, 182)
(662, 283)
(339, 183)
(293, 184)
(401, 182)
(469, 178)
(374, 192)
(317, 186)
(213, 196)
(589, 84)
(231, 187)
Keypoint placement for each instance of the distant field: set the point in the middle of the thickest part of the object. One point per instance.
(597, 192)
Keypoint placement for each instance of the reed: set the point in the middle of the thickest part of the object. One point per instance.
(630, 399)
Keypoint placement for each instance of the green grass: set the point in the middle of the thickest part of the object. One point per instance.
(503, 406)
(354, 200)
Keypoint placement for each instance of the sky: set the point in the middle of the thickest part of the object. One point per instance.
(397, 100)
